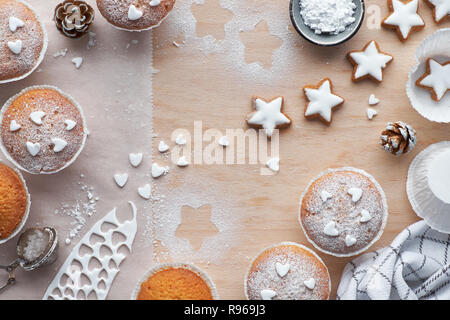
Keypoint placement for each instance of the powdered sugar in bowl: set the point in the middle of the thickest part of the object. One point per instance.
(327, 22)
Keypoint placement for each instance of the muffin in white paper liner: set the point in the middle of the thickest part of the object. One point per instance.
(437, 47)
(43, 51)
(27, 210)
(428, 186)
(188, 266)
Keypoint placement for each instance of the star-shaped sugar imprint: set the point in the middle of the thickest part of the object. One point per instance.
(268, 115)
(369, 63)
(441, 9)
(322, 101)
(437, 79)
(403, 17)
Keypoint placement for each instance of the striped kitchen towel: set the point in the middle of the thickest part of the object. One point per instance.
(416, 265)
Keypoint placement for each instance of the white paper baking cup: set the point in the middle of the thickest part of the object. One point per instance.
(43, 51)
(285, 243)
(187, 266)
(435, 46)
(428, 186)
(27, 210)
(383, 199)
(68, 97)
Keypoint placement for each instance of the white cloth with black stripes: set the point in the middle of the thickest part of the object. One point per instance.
(415, 266)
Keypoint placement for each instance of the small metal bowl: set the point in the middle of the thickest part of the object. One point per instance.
(325, 39)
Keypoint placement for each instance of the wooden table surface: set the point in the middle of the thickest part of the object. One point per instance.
(193, 86)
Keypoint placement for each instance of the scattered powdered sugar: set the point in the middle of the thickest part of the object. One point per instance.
(80, 211)
(302, 267)
(166, 218)
(245, 18)
(327, 16)
(341, 210)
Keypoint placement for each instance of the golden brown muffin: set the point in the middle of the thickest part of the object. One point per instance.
(43, 130)
(14, 201)
(287, 271)
(176, 283)
(30, 52)
(343, 211)
(148, 14)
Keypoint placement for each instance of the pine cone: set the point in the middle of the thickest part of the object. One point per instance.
(398, 138)
(74, 18)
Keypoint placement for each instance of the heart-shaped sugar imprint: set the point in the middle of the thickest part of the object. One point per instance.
(135, 159)
(121, 179)
(350, 240)
(33, 148)
(310, 283)
(371, 113)
(325, 195)
(14, 126)
(365, 216)
(145, 191)
(162, 147)
(70, 124)
(273, 164)
(182, 162)
(180, 140)
(134, 13)
(282, 269)
(15, 23)
(373, 100)
(330, 229)
(37, 116)
(356, 194)
(158, 171)
(15, 46)
(224, 142)
(58, 144)
(155, 3)
(268, 294)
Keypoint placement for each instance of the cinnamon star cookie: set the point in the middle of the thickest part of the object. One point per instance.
(436, 79)
(404, 18)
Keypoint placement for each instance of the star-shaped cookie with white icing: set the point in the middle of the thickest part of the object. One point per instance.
(441, 9)
(268, 115)
(321, 101)
(369, 63)
(437, 79)
(403, 17)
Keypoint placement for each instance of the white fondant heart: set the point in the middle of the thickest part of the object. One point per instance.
(356, 194)
(145, 191)
(77, 61)
(14, 126)
(365, 216)
(268, 294)
(158, 171)
(330, 229)
(58, 144)
(15, 46)
(70, 124)
(163, 147)
(33, 148)
(325, 195)
(182, 162)
(350, 240)
(135, 159)
(223, 141)
(121, 179)
(155, 3)
(371, 113)
(15, 23)
(373, 100)
(310, 283)
(282, 269)
(37, 116)
(273, 164)
(180, 140)
(134, 13)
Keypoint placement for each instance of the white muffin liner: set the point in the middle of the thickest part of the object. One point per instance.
(435, 46)
(85, 129)
(43, 51)
(424, 202)
(285, 243)
(383, 199)
(27, 210)
(180, 265)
